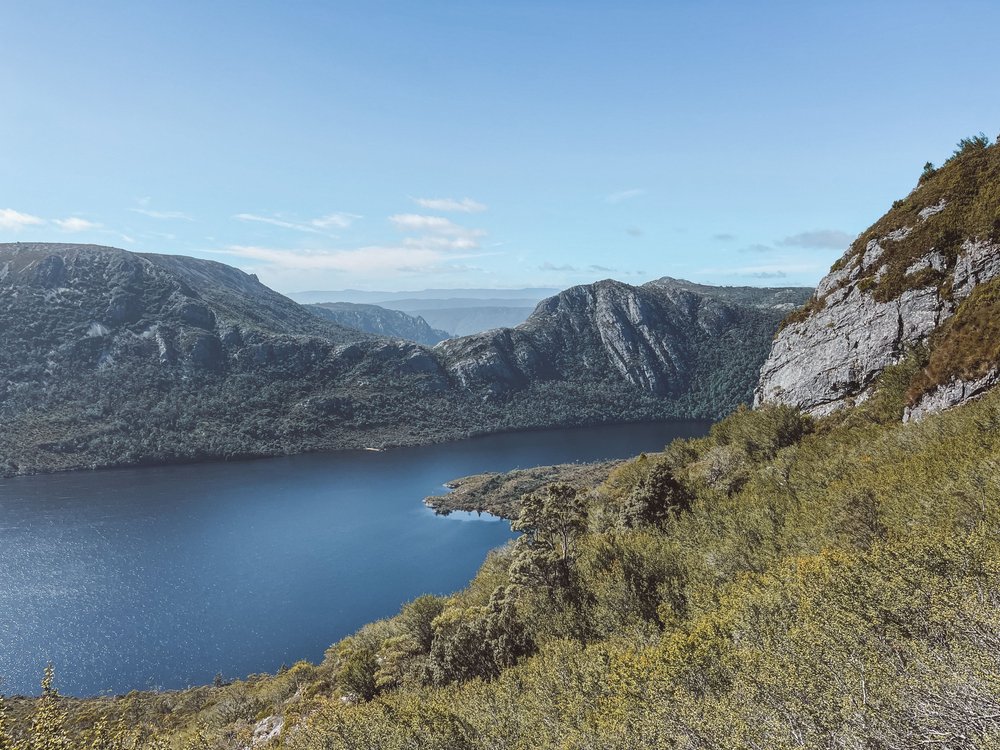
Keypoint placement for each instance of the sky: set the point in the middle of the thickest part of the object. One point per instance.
(431, 144)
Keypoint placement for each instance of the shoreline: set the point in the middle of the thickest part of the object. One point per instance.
(385, 447)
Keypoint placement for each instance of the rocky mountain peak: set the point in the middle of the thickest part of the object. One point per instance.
(918, 282)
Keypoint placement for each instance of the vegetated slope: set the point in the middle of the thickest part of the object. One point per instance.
(114, 358)
(380, 321)
(783, 582)
(110, 357)
(923, 281)
(500, 493)
(668, 339)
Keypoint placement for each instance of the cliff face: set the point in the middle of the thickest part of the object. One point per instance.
(659, 338)
(907, 284)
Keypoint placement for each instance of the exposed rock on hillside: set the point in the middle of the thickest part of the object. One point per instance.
(112, 358)
(894, 290)
(667, 338)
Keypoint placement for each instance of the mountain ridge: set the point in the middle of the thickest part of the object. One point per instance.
(112, 358)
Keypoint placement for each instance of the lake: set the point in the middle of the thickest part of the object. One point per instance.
(163, 577)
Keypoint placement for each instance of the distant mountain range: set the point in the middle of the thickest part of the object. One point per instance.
(379, 320)
(459, 311)
(534, 294)
(114, 358)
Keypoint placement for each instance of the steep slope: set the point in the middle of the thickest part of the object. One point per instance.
(109, 357)
(379, 320)
(921, 282)
(668, 339)
(777, 584)
(113, 358)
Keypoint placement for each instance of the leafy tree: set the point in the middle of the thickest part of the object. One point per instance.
(656, 497)
(48, 724)
(506, 630)
(462, 650)
(971, 144)
(927, 172)
(551, 521)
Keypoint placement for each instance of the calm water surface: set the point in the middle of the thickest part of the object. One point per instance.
(163, 577)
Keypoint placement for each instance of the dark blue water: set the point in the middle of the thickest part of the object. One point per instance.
(163, 577)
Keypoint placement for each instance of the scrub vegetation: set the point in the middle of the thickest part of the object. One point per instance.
(782, 582)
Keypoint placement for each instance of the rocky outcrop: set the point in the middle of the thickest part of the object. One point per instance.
(838, 351)
(951, 394)
(266, 732)
(921, 278)
(655, 338)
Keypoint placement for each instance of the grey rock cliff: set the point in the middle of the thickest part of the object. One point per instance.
(657, 338)
(841, 348)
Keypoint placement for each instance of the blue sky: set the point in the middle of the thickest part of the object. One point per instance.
(405, 145)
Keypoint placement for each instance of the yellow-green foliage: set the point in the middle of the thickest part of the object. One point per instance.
(967, 345)
(969, 186)
(843, 593)
(831, 585)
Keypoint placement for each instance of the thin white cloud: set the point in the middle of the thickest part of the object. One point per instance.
(464, 242)
(370, 259)
(162, 215)
(465, 205)
(623, 195)
(76, 224)
(339, 220)
(430, 244)
(820, 239)
(434, 228)
(422, 223)
(276, 222)
(11, 219)
(548, 266)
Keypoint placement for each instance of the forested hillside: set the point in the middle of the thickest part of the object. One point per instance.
(112, 358)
